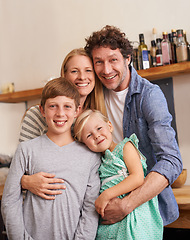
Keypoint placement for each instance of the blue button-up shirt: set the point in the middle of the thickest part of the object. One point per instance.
(146, 114)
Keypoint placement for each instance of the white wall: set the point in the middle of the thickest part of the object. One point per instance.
(36, 35)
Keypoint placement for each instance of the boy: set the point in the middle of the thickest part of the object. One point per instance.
(72, 214)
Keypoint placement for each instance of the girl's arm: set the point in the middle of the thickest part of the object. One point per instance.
(134, 180)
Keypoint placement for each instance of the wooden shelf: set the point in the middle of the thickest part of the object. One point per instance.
(165, 71)
(21, 96)
(150, 74)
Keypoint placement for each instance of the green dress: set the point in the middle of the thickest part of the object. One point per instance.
(145, 222)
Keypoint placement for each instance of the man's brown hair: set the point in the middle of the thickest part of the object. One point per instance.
(109, 36)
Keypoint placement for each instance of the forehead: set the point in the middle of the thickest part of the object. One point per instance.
(93, 121)
(104, 52)
(60, 100)
(79, 61)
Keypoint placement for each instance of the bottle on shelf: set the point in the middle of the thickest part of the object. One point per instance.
(173, 48)
(181, 47)
(154, 32)
(153, 53)
(135, 45)
(188, 45)
(165, 45)
(158, 52)
(174, 36)
(143, 60)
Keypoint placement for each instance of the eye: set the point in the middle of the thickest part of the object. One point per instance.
(68, 106)
(114, 59)
(89, 70)
(98, 62)
(74, 71)
(52, 106)
(99, 128)
(89, 135)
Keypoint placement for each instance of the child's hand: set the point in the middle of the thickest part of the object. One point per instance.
(101, 203)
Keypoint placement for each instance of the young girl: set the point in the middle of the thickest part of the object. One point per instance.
(122, 170)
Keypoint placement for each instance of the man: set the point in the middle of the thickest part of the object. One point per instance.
(134, 105)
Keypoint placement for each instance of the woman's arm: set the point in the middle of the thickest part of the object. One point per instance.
(43, 184)
(135, 179)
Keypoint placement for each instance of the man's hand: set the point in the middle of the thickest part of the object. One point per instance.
(43, 184)
(117, 208)
(115, 211)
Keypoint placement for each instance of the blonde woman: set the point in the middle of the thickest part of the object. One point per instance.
(77, 67)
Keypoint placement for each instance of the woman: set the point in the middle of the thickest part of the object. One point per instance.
(77, 67)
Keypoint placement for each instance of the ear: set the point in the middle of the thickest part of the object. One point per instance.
(77, 111)
(110, 126)
(42, 110)
(128, 60)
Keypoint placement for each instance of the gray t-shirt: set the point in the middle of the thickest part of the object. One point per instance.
(72, 214)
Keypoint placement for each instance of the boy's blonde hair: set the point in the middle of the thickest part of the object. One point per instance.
(83, 118)
(60, 87)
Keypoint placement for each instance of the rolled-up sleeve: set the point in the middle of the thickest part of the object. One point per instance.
(162, 135)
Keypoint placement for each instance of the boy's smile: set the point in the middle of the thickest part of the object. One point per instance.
(59, 113)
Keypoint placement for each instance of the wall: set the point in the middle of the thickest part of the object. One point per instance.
(36, 35)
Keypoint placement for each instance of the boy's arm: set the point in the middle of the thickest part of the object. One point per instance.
(135, 179)
(12, 200)
(88, 222)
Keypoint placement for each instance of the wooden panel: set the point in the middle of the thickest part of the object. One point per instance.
(183, 221)
(165, 71)
(21, 96)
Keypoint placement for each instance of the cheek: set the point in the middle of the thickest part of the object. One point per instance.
(70, 77)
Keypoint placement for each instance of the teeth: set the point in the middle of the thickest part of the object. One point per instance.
(60, 123)
(82, 84)
(108, 78)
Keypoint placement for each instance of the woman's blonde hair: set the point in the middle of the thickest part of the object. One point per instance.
(82, 120)
(95, 100)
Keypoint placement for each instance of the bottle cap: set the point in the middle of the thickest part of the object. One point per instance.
(180, 32)
(158, 40)
(141, 37)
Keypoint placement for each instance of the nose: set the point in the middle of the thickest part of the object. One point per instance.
(96, 135)
(107, 68)
(82, 75)
(60, 112)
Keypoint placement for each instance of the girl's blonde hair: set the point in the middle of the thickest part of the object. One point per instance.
(95, 100)
(82, 120)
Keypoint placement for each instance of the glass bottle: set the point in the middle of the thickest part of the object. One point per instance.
(181, 47)
(153, 53)
(158, 52)
(135, 45)
(165, 45)
(174, 36)
(143, 61)
(188, 45)
(173, 48)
